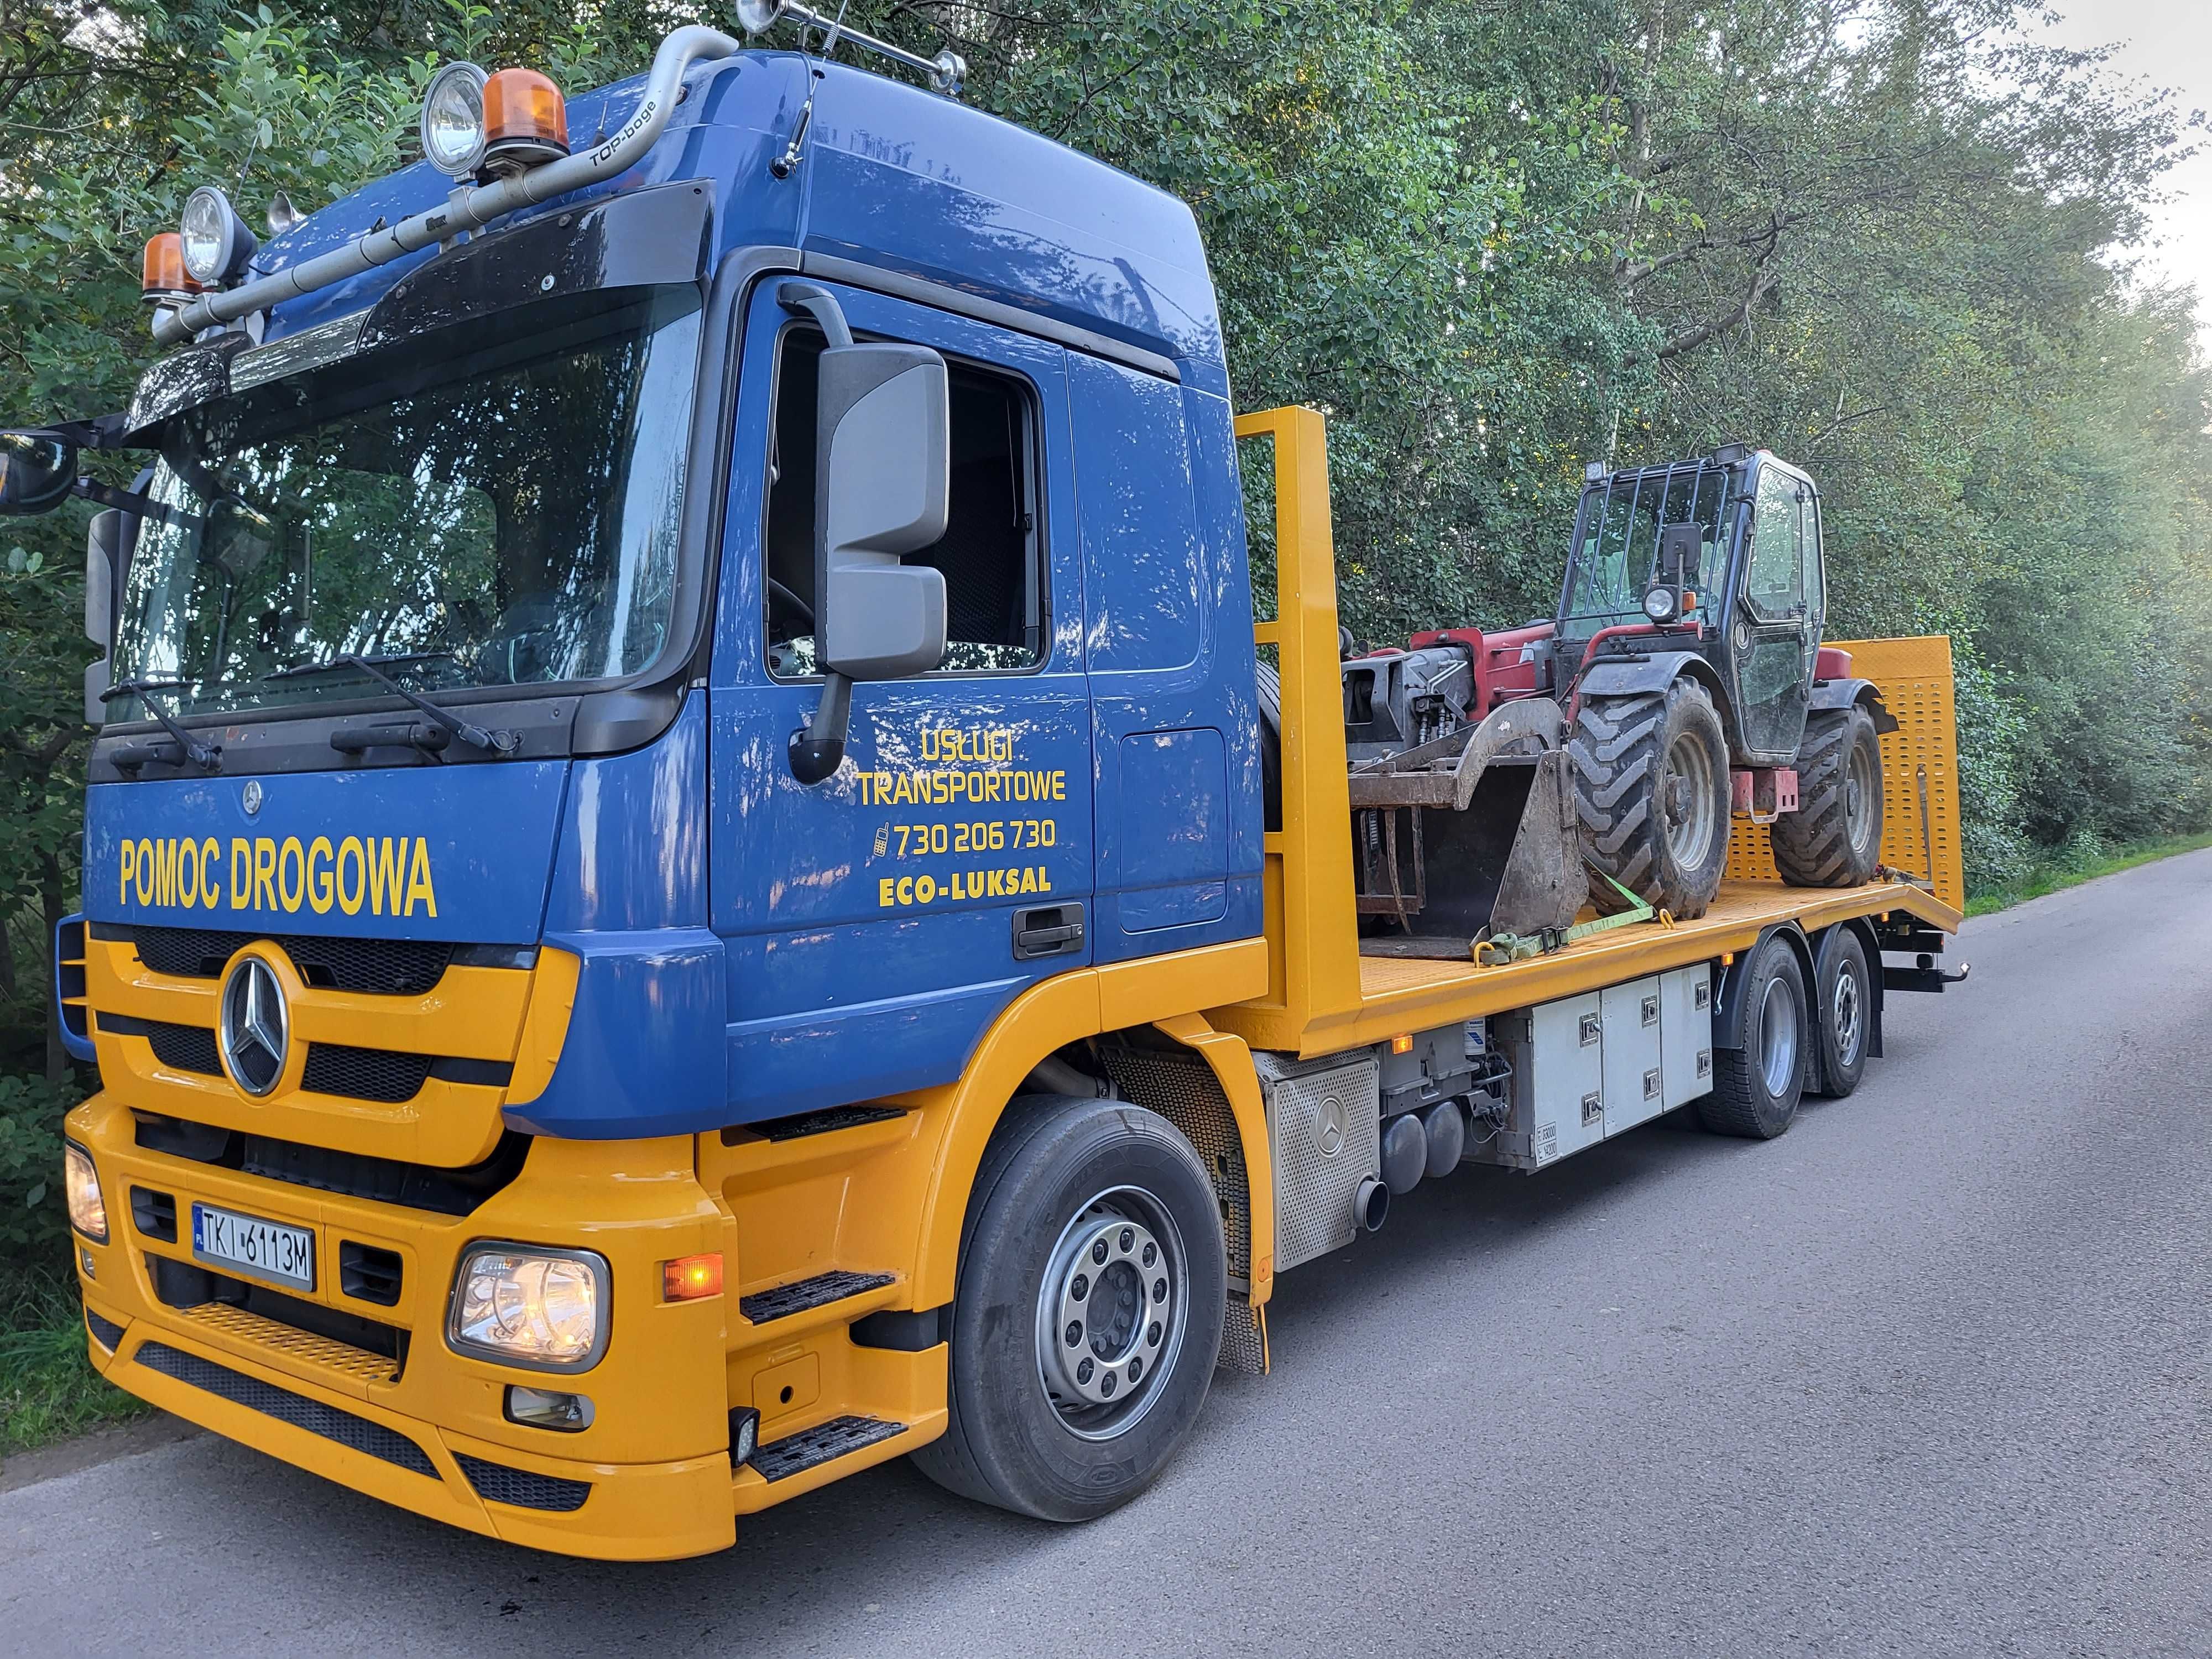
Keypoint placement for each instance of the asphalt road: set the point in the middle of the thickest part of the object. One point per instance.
(1928, 1376)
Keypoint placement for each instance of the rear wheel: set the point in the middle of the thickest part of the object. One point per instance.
(1652, 790)
(1842, 995)
(1834, 837)
(1093, 1280)
(1759, 1081)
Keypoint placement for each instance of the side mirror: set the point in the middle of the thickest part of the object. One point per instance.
(883, 473)
(103, 562)
(38, 471)
(1680, 545)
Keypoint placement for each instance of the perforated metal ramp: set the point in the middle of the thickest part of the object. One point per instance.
(781, 1301)
(779, 1460)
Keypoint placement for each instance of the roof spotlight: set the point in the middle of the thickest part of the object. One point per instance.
(453, 120)
(216, 242)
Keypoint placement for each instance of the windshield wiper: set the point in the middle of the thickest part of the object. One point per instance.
(476, 737)
(208, 756)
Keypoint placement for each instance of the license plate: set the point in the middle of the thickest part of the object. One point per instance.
(267, 1249)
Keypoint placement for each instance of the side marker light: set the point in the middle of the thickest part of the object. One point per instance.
(689, 1277)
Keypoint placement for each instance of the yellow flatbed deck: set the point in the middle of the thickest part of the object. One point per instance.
(1399, 993)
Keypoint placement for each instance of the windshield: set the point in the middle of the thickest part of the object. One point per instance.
(1619, 537)
(500, 508)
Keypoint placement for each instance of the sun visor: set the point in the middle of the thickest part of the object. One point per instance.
(640, 239)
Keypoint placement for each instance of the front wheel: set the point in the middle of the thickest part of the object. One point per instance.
(1652, 790)
(1093, 1281)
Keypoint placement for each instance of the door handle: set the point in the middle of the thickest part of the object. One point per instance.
(1048, 930)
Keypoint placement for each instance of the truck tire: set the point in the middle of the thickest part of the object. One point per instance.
(1093, 1280)
(1834, 837)
(1843, 1003)
(1651, 789)
(1758, 1082)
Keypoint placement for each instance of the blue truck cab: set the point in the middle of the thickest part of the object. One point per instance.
(752, 946)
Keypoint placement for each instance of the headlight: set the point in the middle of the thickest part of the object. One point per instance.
(87, 1211)
(216, 243)
(452, 120)
(1659, 605)
(540, 1308)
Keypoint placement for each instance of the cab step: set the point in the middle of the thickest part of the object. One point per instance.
(779, 1459)
(781, 1301)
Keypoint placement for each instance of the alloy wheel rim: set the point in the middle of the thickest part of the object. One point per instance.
(1686, 801)
(1858, 798)
(1111, 1312)
(1843, 1015)
(1777, 1037)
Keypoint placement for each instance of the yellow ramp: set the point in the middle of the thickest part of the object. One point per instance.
(1915, 678)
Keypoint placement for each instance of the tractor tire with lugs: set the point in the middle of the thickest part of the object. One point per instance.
(1834, 837)
(1651, 791)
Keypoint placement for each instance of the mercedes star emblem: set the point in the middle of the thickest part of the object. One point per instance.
(255, 1027)
(252, 796)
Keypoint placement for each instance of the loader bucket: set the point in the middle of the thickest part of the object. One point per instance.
(1510, 862)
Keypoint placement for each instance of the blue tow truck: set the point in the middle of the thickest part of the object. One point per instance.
(693, 877)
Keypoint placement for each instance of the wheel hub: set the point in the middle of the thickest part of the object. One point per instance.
(1111, 1288)
(1844, 1017)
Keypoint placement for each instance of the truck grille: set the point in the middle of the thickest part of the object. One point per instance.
(388, 1076)
(387, 967)
(379, 1075)
(180, 1048)
(382, 967)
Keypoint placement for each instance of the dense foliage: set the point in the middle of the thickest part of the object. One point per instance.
(1494, 239)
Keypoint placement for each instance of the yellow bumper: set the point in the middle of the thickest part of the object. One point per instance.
(427, 1429)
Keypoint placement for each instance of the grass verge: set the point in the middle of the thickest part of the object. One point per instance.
(48, 1389)
(2050, 876)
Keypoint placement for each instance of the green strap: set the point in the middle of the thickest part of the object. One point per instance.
(1501, 948)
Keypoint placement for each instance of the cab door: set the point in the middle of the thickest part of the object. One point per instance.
(1772, 637)
(877, 922)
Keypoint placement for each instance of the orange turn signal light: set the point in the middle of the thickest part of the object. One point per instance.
(1402, 1044)
(689, 1277)
(163, 274)
(526, 121)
